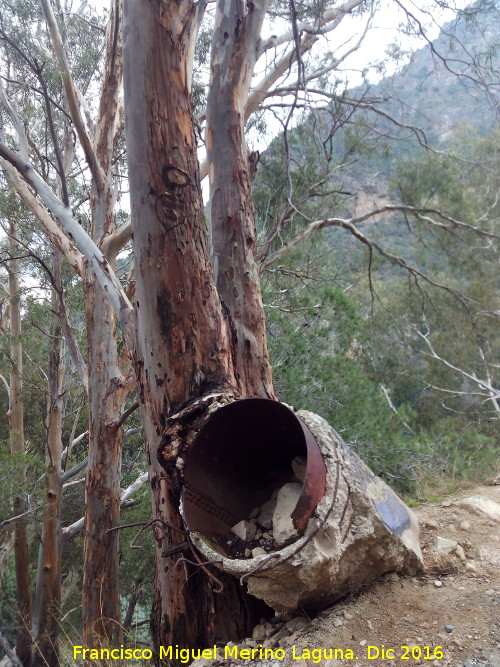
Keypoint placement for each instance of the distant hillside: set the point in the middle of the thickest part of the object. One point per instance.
(451, 80)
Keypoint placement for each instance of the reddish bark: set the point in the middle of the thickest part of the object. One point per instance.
(182, 346)
(108, 388)
(107, 394)
(234, 52)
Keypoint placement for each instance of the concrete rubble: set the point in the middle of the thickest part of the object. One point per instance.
(360, 530)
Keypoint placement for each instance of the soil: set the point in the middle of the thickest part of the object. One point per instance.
(453, 610)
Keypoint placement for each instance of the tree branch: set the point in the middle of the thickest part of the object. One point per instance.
(75, 528)
(104, 274)
(73, 97)
(485, 385)
(331, 18)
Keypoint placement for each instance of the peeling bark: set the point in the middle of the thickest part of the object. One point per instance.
(107, 395)
(182, 345)
(234, 53)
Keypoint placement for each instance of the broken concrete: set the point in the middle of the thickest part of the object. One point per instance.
(359, 530)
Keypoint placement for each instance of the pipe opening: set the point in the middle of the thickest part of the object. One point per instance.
(243, 454)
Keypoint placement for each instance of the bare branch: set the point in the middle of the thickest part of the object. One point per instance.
(331, 19)
(114, 242)
(104, 274)
(492, 394)
(73, 97)
(6, 385)
(75, 470)
(11, 654)
(70, 531)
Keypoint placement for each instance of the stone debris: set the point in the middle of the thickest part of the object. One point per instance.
(270, 526)
(245, 530)
(283, 527)
(258, 551)
(445, 545)
(265, 515)
(481, 506)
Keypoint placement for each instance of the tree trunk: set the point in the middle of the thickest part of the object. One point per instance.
(182, 346)
(108, 388)
(107, 394)
(47, 645)
(16, 413)
(234, 52)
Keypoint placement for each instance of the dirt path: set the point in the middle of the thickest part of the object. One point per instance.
(455, 606)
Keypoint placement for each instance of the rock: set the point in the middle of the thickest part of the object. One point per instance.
(244, 530)
(248, 553)
(299, 465)
(348, 616)
(470, 567)
(430, 523)
(337, 622)
(297, 623)
(281, 634)
(481, 505)
(438, 583)
(265, 517)
(254, 513)
(369, 624)
(259, 633)
(258, 551)
(449, 628)
(460, 552)
(464, 525)
(444, 545)
(283, 528)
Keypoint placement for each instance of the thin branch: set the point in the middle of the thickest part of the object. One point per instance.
(74, 471)
(127, 414)
(73, 97)
(331, 18)
(11, 654)
(493, 394)
(75, 528)
(104, 274)
(6, 384)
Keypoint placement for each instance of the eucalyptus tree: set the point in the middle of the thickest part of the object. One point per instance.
(192, 321)
(50, 113)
